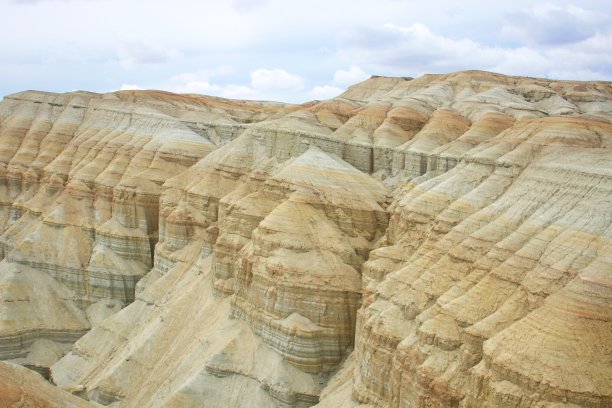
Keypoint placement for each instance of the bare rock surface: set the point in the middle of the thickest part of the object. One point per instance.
(80, 180)
(434, 242)
(23, 388)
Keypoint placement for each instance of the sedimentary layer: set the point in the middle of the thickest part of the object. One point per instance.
(80, 180)
(439, 241)
(23, 388)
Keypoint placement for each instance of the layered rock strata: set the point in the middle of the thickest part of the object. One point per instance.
(492, 304)
(80, 180)
(22, 388)
(439, 241)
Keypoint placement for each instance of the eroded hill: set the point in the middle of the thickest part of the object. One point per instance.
(442, 241)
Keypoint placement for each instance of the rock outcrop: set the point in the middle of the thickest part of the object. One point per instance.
(434, 242)
(80, 181)
(22, 388)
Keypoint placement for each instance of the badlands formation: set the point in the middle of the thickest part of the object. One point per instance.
(444, 241)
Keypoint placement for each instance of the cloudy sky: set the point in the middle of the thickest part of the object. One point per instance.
(292, 50)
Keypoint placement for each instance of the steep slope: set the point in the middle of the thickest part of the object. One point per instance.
(439, 241)
(80, 181)
(22, 388)
(504, 293)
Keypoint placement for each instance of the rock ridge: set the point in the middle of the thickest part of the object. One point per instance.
(441, 241)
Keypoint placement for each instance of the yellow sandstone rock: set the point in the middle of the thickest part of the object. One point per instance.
(434, 242)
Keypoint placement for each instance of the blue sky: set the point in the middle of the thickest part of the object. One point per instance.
(291, 51)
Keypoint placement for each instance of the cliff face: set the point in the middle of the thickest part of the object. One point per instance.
(440, 241)
(80, 180)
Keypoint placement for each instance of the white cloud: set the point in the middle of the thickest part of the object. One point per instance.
(416, 50)
(350, 77)
(244, 6)
(199, 81)
(197, 87)
(549, 24)
(192, 83)
(275, 79)
(522, 37)
(412, 50)
(129, 87)
(577, 75)
(133, 52)
(233, 91)
(265, 84)
(38, 1)
(325, 92)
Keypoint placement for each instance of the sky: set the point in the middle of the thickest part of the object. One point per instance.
(291, 51)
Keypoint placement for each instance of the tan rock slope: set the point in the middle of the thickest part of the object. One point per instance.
(434, 242)
(80, 181)
(22, 388)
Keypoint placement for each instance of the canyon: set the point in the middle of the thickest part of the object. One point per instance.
(441, 241)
